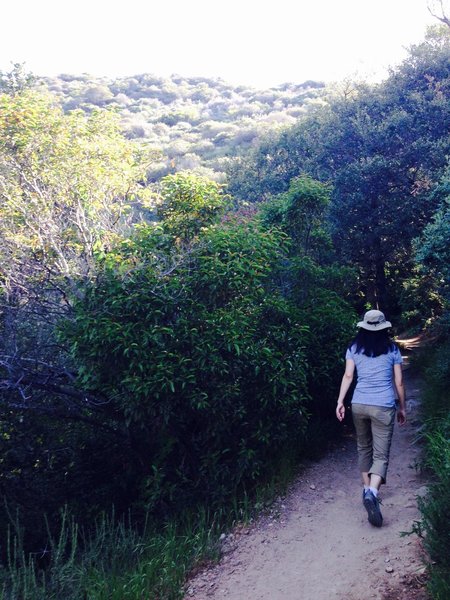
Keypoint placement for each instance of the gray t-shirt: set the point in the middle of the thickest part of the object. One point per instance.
(375, 377)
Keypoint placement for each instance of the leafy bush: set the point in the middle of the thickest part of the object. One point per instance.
(435, 507)
(203, 364)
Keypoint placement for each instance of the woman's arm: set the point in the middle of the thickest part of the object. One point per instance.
(345, 385)
(398, 381)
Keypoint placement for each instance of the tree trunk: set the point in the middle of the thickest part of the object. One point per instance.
(380, 280)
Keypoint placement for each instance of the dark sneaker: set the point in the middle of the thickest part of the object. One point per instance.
(372, 505)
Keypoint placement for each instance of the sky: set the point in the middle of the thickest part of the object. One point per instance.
(261, 43)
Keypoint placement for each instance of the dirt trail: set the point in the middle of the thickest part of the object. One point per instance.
(317, 544)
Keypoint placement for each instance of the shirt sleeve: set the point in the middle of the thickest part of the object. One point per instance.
(397, 357)
(350, 354)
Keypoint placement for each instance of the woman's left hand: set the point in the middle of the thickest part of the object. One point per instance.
(401, 416)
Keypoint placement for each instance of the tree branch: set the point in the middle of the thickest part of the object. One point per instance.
(443, 18)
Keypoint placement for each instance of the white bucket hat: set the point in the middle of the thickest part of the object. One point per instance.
(374, 320)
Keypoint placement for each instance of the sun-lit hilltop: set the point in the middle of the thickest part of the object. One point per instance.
(197, 123)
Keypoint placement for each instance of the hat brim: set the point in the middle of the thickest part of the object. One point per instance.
(379, 327)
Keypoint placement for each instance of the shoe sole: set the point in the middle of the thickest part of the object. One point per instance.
(374, 514)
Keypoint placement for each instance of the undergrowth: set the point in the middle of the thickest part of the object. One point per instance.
(118, 559)
(435, 507)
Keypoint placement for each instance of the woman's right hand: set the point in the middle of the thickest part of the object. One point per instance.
(340, 411)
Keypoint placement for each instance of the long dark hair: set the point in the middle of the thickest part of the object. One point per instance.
(372, 343)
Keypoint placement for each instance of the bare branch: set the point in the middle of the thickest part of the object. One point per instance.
(442, 17)
(66, 416)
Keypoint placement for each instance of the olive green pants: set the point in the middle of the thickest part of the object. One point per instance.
(374, 426)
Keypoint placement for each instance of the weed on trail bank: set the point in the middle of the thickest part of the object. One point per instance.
(113, 562)
(435, 507)
(116, 560)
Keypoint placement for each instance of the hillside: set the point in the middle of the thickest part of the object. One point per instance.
(196, 123)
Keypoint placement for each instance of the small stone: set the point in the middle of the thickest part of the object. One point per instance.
(223, 537)
(422, 491)
(312, 486)
(389, 569)
(386, 560)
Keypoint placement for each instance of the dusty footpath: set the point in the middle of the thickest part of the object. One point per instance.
(316, 542)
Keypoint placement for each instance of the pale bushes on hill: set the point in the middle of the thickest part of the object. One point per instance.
(220, 165)
(134, 126)
(177, 114)
(177, 148)
(129, 86)
(69, 78)
(183, 126)
(122, 99)
(296, 112)
(265, 97)
(280, 117)
(157, 170)
(203, 147)
(245, 110)
(150, 79)
(55, 85)
(219, 108)
(188, 162)
(153, 105)
(98, 94)
(135, 130)
(161, 130)
(174, 117)
(212, 129)
(203, 94)
(191, 137)
(166, 96)
(245, 134)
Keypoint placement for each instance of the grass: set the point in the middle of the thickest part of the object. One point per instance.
(435, 507)
(116, 560)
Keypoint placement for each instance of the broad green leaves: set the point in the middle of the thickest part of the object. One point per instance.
(206, 363)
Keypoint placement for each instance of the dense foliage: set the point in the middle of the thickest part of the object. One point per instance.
(432, 253)
(384, 149)
(436, 505)
(167, 342)
(186, 351)
(208, 365)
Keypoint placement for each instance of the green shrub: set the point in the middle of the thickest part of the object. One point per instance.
(435, 507)
(204, 365)
(208, 366)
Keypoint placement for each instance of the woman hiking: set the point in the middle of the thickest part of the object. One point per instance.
(378, 365)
